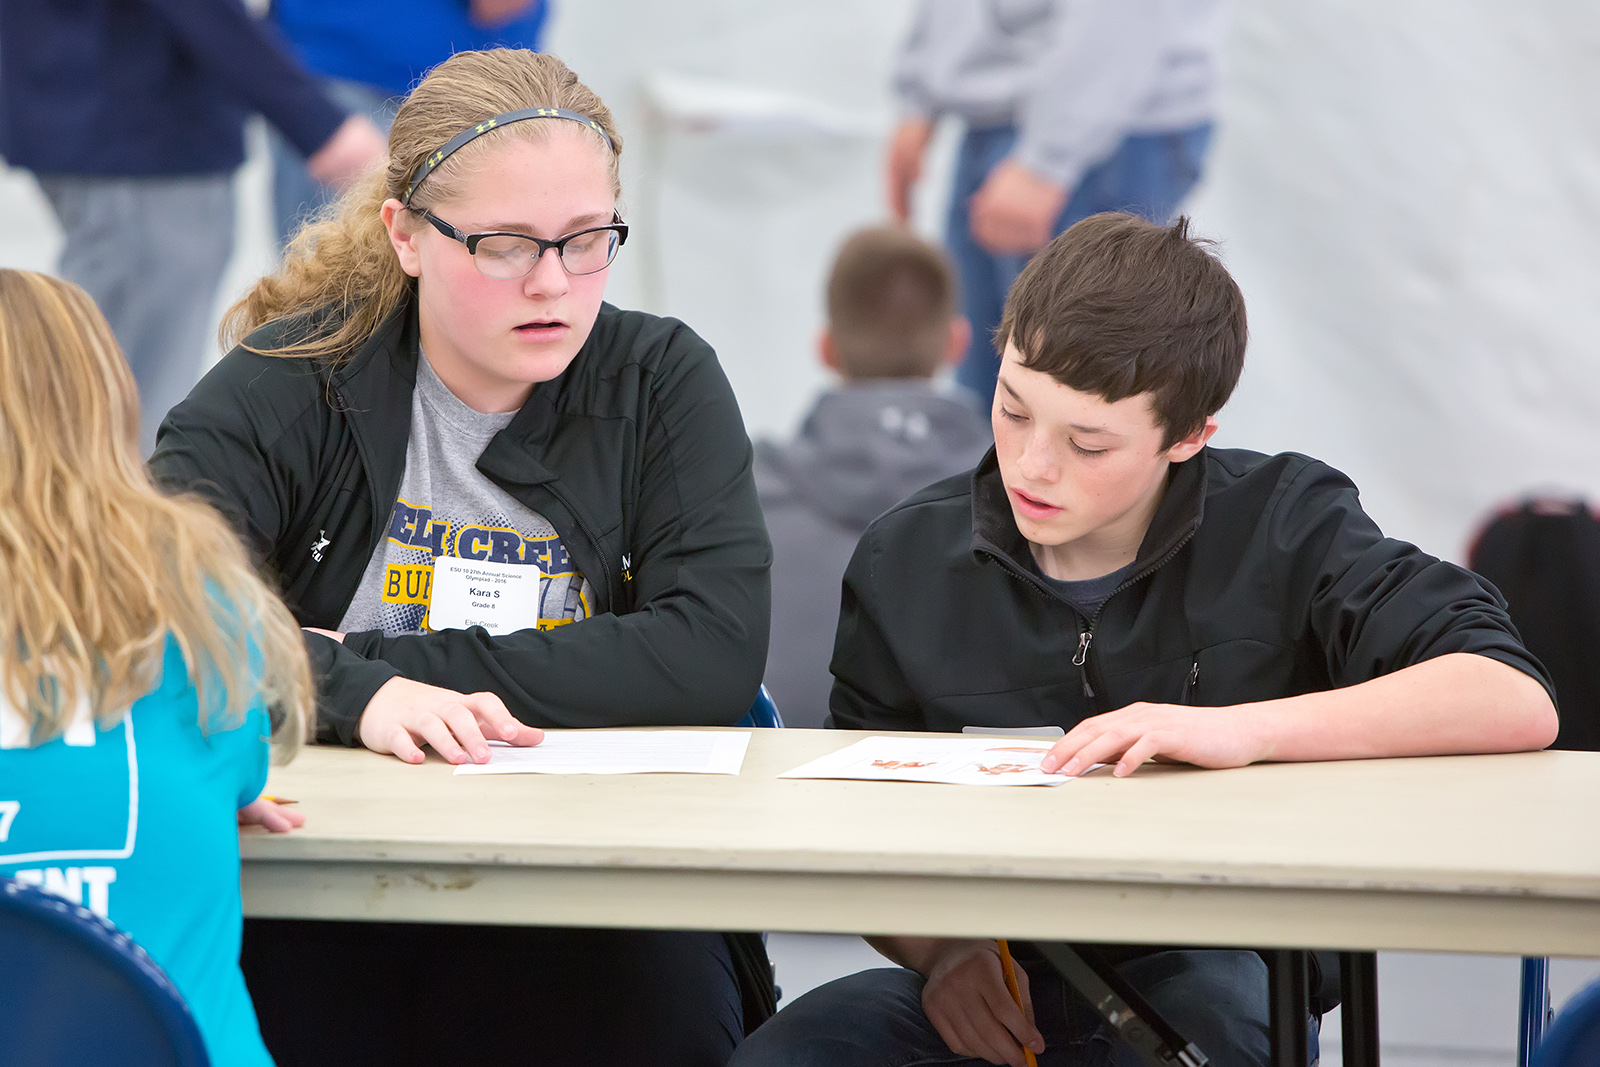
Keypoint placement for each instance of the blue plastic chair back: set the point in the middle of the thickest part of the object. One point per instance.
(763, 712)
(1573, 1039)
(74, 990)
(1533, 1009)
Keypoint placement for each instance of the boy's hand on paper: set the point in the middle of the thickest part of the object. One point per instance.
(404, 715)
(966, 999)
(1014, 211)
(270, 815)
(1205, 737)
(907, 145)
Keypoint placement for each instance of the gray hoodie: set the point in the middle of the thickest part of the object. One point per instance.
(1075, 76)
(861, 449)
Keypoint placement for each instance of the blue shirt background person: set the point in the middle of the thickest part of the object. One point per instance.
(370, 53)
(137, 823)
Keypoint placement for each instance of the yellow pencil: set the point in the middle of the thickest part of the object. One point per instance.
(279, 800)
(1010, 970)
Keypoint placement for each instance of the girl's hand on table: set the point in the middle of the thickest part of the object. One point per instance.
(404, 715)
(265, 812)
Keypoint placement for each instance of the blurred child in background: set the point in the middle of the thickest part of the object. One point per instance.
(888, 429)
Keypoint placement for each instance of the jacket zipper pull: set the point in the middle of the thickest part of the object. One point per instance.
(1078, 661)
(1192, 683)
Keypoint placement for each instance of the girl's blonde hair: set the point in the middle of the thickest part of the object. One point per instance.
(98, 567)
(343, 262)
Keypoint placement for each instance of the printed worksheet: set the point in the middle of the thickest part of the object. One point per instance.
(619, 752)
(953, 760)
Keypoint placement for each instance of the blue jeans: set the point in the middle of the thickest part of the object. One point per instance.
(1216, 998)
(1148, 174)
(296, 195)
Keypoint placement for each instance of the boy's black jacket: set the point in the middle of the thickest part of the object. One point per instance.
(1260, 577)
(636, 454)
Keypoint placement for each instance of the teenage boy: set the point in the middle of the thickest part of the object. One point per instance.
(1103, 570)
(888, 429)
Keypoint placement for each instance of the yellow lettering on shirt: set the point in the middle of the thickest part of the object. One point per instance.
(407, 583)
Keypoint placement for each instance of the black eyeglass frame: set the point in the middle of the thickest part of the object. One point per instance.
(471, 240)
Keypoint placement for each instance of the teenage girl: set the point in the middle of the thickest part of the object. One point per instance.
(139, 655)
(430, 398)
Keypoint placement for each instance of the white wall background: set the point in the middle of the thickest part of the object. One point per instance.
(1408, 192)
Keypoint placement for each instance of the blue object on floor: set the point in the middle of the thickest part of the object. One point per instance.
(763, 712)
(74, 990)
(1573, 1039)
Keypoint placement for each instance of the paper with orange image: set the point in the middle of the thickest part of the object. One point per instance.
(962, 760)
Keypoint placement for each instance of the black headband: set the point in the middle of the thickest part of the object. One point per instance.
(473, 132)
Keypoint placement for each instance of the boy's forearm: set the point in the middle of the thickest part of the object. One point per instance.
(1456, 703)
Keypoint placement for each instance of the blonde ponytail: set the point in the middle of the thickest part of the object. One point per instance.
(342, 261)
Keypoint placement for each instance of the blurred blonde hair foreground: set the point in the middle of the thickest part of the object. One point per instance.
(97, 565)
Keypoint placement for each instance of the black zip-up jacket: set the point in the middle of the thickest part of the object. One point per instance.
(636, 454)
(1260, 577)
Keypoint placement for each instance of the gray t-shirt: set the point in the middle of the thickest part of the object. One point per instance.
(447, 508)
(1090, 594)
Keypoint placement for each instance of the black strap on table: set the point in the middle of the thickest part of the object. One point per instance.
(1135, 1021)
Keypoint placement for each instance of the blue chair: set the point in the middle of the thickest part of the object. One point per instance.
(1573, 1039)
(74, 990)
(1533, 1012)
(763, 712)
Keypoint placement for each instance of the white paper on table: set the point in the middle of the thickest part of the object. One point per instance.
(953, 760)
(619, 752)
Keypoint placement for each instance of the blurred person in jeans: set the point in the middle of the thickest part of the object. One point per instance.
(369, 53)
(130, 113)
(889, 428)
(1070, 109)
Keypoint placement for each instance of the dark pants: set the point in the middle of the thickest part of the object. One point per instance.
(1215, 998)
(347, 993)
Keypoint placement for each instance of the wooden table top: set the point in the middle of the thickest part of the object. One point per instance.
(1473, 853)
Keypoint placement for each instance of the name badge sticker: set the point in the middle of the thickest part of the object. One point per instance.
(500, 597)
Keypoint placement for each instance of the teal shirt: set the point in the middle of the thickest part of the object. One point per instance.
(137, 824)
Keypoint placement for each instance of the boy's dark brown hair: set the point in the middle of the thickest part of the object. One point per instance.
(1117, 306)
(890, 300)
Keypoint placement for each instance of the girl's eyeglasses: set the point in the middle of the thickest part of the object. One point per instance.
(512, 255)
